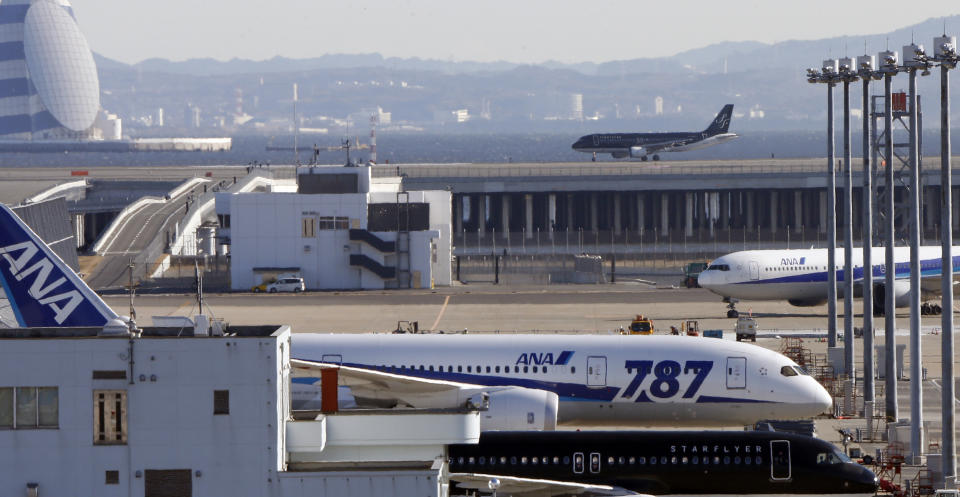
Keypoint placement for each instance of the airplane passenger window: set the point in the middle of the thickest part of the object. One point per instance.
(642, 460)
(488, 369)
(695, 460)
(497, 369)
(503, 459)
(460, 460)
(726, 459)
(482, 460)
(556, 460)
(469, 369)
(653, 461)
(431, 368)
(748, 460)
(759, 460)
(787, 371)
(479, 370)
(526, 369)
(621, 460)
(471, 460)
(523, 460)
(516, 369)
(459, 369)
(633, 460)
(684, 460)
(716, 459)
(573, 369)
(534, 369)
(736, 460)
(673, 460)
(544, 369)
(566, 460)
(535, 460)
(513, 460)
(610, 460)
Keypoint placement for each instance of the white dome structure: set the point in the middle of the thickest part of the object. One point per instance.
(49, 87)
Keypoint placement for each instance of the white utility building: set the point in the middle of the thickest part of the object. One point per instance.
(340, 229)
(168, 412)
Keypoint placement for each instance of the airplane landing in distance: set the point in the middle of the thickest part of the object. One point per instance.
(642, 145)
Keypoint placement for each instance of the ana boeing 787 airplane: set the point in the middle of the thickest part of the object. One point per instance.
(800, 276)
(529, 381)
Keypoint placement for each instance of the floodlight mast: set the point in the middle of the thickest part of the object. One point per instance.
(945, 54)
(889, 69)
(829, 74)
(867, 71)
(915, 59)
(848, 75)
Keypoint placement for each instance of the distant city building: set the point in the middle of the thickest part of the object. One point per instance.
(658, 106)
(451, 116)
(48, 77)
(576, 106)
(159, 120)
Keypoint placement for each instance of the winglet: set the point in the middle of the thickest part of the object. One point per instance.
(42, 290)
(721, 123)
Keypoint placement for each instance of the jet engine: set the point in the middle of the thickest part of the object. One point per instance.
(518, 408)
(618, 155)
(637, 152)
(806, 302)
(901, 295)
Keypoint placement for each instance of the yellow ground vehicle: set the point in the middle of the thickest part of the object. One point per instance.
(641, 326)
(690, 327)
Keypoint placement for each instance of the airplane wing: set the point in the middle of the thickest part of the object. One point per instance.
(663, 146)
(528, 487)
(378, 385)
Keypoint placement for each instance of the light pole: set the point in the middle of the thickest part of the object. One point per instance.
(915, 59)
(847, 75)
(945, 53)
(828, 74)
(889, 68)
(867, 66)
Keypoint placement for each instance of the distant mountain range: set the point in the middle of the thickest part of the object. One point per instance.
(715, 58)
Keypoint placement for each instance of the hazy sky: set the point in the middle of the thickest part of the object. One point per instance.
(480, 30)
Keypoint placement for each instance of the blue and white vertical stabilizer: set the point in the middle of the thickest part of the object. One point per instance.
(41, 289)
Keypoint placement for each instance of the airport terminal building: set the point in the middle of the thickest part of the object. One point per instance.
(339, 229)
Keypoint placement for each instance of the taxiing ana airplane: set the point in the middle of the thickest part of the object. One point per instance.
(525, 381)
(631, 463)
(642, 145)
(800, 276)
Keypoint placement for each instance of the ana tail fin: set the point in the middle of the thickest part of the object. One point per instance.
(42, 290)
(721, 123)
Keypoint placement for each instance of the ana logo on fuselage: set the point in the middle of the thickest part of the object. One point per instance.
(792, 261)
(544, 358)
(41, 270)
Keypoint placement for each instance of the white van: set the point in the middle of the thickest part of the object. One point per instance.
(287, 284)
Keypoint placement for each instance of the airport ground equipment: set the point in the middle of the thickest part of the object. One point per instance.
(407, 327)
(690, 327)
(713, 333)
(641, 325)
(746, 328)
(691, 272)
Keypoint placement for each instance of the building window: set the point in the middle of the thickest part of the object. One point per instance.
(341, 223)
(221, 401)
(112, 477)
(326, 222)
(308, 228)
(334, 223)
(29, 407)
(109, 417)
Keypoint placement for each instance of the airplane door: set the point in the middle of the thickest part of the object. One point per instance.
(596, 371)
(754, 270)
(780, 460)
(594, 462)
(736, 372)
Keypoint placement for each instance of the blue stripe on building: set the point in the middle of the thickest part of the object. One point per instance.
(12, 50)
(14, 87)
(19, 123)
(13, 14)
(44, 120)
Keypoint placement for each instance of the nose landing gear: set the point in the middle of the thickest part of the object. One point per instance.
(731, 307)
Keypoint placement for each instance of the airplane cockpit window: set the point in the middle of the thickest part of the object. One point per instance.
(719, 267)
(801, 371)
(835, 457)
(788, 371)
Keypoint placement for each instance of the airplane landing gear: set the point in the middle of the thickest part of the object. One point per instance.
(594, 157)
(928, 309)
(644, 159)
(731, 307)
(656, 157)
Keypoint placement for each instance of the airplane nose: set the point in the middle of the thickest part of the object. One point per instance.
(706, 279)
(822, 401)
